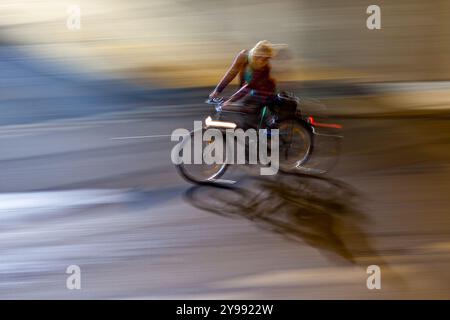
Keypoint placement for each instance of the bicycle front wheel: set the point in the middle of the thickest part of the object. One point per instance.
(201, 172)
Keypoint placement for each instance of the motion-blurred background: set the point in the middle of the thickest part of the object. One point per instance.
(85, 121)
(187, 42)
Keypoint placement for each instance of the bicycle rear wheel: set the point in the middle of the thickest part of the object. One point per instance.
(296, 144)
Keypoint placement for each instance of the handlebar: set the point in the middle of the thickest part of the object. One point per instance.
(214, 101)
(217, 102)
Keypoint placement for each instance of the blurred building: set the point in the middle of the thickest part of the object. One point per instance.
(191, 42)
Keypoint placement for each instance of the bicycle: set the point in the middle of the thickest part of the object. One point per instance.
(296, 137)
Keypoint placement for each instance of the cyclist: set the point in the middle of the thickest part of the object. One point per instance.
(256, 88)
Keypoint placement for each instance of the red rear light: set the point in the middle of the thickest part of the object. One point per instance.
(324, 125)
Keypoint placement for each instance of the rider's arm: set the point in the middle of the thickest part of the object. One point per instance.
(236, 66)
(242, 92)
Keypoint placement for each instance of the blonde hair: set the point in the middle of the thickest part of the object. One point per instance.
(263, 48)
